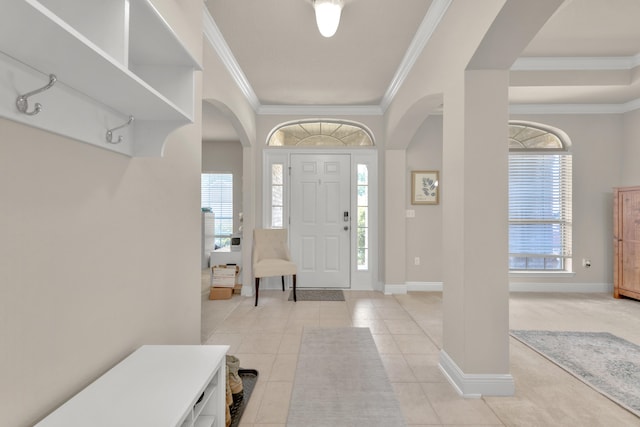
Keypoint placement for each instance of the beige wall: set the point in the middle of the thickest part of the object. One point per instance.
(424, 232)
(99, 254)
(631, 150)
(603, 147)
(394, 254)
(225, 157)
(219, 88)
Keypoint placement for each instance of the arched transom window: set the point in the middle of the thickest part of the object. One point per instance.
(525, 136)
(320, 133)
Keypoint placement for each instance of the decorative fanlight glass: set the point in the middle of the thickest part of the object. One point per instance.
(320, 133)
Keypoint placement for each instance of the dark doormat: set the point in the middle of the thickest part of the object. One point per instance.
(240, 401)
(318, 295)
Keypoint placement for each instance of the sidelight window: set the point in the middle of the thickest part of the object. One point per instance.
(362, 227)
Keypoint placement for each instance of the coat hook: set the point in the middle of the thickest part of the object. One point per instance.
(110, 132)
(23, 104)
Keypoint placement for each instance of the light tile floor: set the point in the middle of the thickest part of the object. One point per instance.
(408, 333)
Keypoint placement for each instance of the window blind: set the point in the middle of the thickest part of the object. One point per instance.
(217, 194)
(540, 205)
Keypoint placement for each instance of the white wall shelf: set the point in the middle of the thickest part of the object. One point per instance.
(112, 60)
(157, 385)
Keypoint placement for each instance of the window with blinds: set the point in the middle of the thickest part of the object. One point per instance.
(540, 217)
(217, 195)
(362, 202)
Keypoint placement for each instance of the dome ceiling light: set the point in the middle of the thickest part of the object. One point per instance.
(328, 15)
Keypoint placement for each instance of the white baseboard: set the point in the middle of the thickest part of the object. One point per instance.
(475, 385)
(390, 289)
(560, 287)
(393, 289)
(424, 286)
(403, 288)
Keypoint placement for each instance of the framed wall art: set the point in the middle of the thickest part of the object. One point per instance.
(425, 188)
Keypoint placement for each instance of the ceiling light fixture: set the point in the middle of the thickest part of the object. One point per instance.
(328, 15)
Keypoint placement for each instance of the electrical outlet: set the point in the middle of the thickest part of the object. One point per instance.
(411, 213)
(416, 261)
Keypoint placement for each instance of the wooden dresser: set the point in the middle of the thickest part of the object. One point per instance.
(626, 242)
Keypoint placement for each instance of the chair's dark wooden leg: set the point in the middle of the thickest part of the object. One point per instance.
(257, 287)
(282, 283)
(294, 288)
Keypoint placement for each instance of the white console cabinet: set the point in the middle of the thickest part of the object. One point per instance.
(156, 386)
(112, 59)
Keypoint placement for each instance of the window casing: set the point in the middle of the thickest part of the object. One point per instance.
(540, 194)
(328, 136)
(217, 195)
(365, 274)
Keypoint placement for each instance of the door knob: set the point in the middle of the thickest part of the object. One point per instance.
(346, 227)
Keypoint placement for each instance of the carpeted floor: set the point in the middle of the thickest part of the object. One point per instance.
(340, 381)
(317, 295)
(604, 361)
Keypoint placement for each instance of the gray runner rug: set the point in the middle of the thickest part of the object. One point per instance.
(341, 381)
(601, 360)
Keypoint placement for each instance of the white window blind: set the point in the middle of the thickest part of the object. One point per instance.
(539, 211)
(217, 195)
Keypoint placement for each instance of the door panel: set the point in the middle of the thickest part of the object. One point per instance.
(630, 241)
(320, 195)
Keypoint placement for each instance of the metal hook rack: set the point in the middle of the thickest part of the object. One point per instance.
(120, 138)
(22, 101)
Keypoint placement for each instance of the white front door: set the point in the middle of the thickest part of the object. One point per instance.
(320, 227)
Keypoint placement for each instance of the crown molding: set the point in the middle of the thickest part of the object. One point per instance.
(427, 27)
(431, 20)
(217, 41)
(321, 110)
(632, 105)
(576, 63)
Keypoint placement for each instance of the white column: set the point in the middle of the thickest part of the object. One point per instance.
(250, 190)
(395, 241)
(474, 182)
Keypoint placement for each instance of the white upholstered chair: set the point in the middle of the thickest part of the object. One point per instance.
(271, 257)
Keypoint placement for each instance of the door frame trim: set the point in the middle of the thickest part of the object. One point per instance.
(359, 279)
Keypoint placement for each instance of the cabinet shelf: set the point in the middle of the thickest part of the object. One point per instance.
(134, 66)
(205, 421)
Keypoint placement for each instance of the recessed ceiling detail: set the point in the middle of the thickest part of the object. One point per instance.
(320, 133)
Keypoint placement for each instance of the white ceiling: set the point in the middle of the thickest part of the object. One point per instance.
(586, 54)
